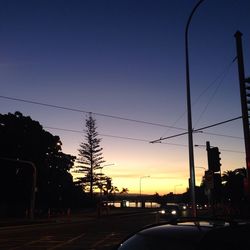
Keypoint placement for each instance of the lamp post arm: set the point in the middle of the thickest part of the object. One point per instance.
(191, 15)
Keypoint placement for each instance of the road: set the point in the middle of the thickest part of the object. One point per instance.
(91, 234)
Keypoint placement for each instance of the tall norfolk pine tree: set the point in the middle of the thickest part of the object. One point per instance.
(90, 157)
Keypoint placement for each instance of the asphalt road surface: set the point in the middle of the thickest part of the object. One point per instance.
(90, 234)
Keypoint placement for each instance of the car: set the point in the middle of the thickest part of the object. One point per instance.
(169, 211)
(192, 234)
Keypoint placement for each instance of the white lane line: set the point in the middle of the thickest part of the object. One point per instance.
(102, 240)
(25, 245)
(67, 242)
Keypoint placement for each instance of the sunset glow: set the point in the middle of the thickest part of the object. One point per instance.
(124, 62)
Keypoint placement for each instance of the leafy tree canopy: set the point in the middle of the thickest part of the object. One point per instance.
(25, 139)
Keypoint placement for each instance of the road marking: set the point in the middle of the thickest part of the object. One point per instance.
(67, 242)
(102, 240)
(27, 244)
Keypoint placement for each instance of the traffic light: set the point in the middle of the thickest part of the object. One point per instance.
(214, 159)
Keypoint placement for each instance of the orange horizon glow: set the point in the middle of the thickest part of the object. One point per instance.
(161, 184)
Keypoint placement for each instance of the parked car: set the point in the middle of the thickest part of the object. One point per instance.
(191, 235)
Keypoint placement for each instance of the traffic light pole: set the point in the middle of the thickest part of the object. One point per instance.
(244, 108)
(211, 177)
(208, 146)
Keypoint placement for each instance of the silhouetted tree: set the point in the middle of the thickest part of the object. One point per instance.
(24, 139)
(90, 158)
(233, 182)
(124, 191)
(158, 199)
(110, 190)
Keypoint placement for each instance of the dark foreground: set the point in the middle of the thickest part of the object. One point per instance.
(84, 231)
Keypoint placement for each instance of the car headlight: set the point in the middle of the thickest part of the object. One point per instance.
(173, 212)
(162, 211)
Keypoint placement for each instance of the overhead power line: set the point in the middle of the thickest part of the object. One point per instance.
(106, 135)
(222, 75)
(85, 111)
(222, 135)
(133, 139)
(196, 130)
(226, 150)
(219, 123)
(114, 117)
(112, 136)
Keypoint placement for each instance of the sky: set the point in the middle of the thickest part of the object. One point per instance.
(124, 61)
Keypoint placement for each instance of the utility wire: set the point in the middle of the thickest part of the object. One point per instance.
(228, 150)
(196, 130)
(112, 136)
(133, 139)
(219, 123)
(110, 116)
(222, 75)
(169, 137)
(84, 111)
(222, 135)
(106, 135)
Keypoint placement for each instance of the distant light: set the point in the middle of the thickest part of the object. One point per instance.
(173, 212)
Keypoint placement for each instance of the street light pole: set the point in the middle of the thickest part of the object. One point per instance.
(34, 180)
(189, 115)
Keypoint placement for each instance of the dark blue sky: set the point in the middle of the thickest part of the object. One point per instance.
(126, 58)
